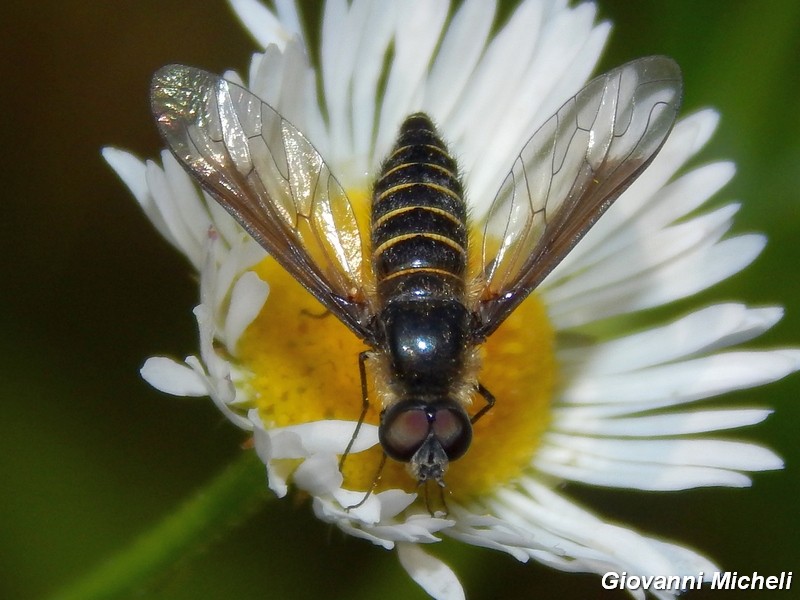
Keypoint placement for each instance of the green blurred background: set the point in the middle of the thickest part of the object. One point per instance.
(92, 456)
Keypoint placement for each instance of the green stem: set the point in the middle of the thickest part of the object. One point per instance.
(223, 504)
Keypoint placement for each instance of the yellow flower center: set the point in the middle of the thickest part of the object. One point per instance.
(304, 366)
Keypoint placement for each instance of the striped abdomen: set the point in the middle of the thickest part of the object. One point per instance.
(419, 232)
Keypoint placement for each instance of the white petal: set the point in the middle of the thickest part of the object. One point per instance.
(691, 452)
(378, 508)
(214, 368)
(131, 170)
(319, 475)
(357, 532)
(262, 24)
(229, 230)
(286, 444)
(685, 381)
(339, 41)
(192, 219)
(393, 502)
(705, 330)
(474, 526)
(218, 368)
(417, 31)
(462, 46)
(166, 206)
(421, 525)
(636, 476)
(247, 298)
(260, 436)
(653, 464)
(133, 173)
(288, 15)
(172, 377)
(503, 66)
(685, 276)
(417, 529)
(277, 472)
(284, 79)
(432, 575)
(539, 59)
(357, 509)
(266, 75)
(580, 421)
(367, 71)
(647, 253)
(331, 437)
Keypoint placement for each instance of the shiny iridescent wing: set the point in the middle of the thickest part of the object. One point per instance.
(267, 175)
(568, 174)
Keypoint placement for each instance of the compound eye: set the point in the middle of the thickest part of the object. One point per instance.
(403, 431)
(453, 430)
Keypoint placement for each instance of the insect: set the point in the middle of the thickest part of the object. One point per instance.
(423, 313)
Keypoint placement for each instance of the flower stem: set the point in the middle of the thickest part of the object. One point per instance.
(224, 503)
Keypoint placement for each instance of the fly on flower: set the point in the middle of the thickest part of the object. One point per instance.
(408, 287)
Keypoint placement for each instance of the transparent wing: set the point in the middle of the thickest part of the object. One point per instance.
(271, 179)
(568, 174)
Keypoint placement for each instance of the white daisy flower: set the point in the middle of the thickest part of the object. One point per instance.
(580, 399)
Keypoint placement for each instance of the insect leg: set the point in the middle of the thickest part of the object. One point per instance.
(489, 397)
(375, 481)
(362, 371)
(313, 315)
